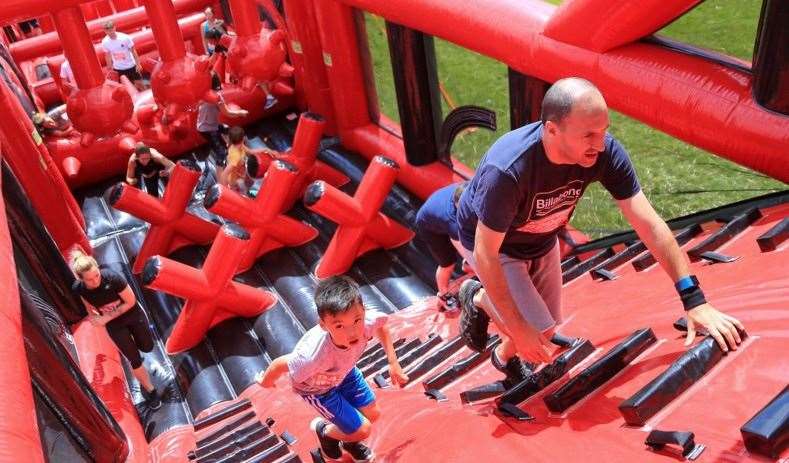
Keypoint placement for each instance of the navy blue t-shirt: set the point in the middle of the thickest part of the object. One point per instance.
(518, 191)
(436, 224)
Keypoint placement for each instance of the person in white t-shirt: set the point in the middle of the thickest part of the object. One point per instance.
(121, 55)
(323, 369)
(66, 74)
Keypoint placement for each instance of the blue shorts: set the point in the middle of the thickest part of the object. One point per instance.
(341, 405)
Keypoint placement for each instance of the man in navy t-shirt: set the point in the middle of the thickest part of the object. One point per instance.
(524, 191)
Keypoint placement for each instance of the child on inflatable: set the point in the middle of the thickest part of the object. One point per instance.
(235, 174)
(323, 372)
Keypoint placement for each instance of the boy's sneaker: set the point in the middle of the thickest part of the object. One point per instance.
(330, 448)
(152, 400)
(473, 320)
(358, 451)
(516, 369)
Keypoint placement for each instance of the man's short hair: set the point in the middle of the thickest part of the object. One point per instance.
(559, 99)
(336, 295)
(140, 149)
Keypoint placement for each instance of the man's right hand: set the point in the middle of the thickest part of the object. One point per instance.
(534, 347)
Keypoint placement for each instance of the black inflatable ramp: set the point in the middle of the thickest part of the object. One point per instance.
(441, 354)
(586, 265)
(682, 237)
(773, 237)
(441, 379)
(733, 227)
(549, 373)
(677, 378)
(767, 433)
(600, 371)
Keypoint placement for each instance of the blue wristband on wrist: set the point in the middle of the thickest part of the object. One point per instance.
(685, 283)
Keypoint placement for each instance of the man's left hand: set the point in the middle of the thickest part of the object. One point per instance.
(722, 327)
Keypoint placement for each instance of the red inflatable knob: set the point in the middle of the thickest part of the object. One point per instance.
(126, 144)
(286, 70)
(71, 166)
(87, 139)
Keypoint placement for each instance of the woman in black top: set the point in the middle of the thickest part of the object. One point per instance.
(146, 165)
(111, 303)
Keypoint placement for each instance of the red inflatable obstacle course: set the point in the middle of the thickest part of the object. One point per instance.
(304, 156)
(172, 226)
(211, 295)
(263, 216)
(361, 225)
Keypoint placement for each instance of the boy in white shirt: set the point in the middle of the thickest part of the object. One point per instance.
(323, 370)
(121, 55)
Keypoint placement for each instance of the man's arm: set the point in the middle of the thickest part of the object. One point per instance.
(658, 238)
(163, 161)
(136, 57)
(276, 368)
(396, 373)
(531, 344)
(108, 60)
(130, 178)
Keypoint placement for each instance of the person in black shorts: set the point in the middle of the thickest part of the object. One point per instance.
(146, 165)
(110, 302)
(121, 56)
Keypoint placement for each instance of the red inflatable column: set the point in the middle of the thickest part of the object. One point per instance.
(269, 228)
(361, 226)
(171, 225)
(304, 156)
(211, 294)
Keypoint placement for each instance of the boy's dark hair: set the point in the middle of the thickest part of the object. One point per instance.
(236, 134)
(336, 295)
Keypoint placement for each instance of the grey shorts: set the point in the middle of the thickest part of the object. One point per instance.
(535, 286)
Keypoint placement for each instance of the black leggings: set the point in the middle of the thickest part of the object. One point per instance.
(131, 334)
(151, 184)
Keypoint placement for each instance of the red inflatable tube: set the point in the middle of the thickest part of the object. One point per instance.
(41, 180)
(361, 226)
(685, 96)
(211, 294)
(263, 217)
(18, 426)
(172, 226)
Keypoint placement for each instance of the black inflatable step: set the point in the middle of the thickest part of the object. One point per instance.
(486, 391)
(432, 341)
(618, 259)
(677, 378)
(376, 353)
(441, 354)
(767, 433)
(682, 237)
(233, 439)
(222, 414)
(549, 373)
(265, 450)
(605, 368)
(460, 368)
(725, 233)
(230, 426)
(585, 265)
(773, 237)
(400, 352)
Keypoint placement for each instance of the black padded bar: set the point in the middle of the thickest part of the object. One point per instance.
(569, 263)
(292, 458)
(677, 378)
(725, 233)
(486, 391)
(417, 353)
(773, 238)
(377, 353)
(222, 414)
(619, 258)
(767, 433)
(399, 352)
(439, 356)
(600, 371)
(682, 237)
(586, 265)
(441, 379)
(233, 440)
(209, 439)
(548, 374)
(261, 451)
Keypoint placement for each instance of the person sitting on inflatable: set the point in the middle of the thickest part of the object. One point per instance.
(146, 165)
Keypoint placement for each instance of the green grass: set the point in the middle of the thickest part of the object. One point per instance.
(678, 178)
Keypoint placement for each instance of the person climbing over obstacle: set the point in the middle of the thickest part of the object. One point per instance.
(234, 175)
(523, 192)
(323, 372)
(208, 125)
(146, 165)
(121, 56)
(111, 303)
(436, 225)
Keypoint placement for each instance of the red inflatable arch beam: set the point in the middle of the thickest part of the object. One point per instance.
(304, 156)
(211, 294)
(172, 226)
(269, 229)
(361, 226)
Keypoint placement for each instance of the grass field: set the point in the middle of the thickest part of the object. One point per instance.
(678, 178)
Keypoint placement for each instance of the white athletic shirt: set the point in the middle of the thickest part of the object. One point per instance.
(66, 73)
(317, 365)
(120, 50)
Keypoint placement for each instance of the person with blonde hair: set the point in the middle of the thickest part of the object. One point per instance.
(111, 303)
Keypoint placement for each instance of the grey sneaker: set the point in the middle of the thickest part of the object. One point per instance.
(358, 451)
(330, 448)
(473, 320)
